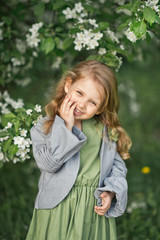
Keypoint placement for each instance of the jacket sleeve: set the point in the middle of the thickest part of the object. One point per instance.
(51, 151)
(115, 182)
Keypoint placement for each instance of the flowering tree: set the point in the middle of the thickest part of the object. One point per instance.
(62, 32)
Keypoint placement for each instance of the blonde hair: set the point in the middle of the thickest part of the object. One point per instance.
(105, 76)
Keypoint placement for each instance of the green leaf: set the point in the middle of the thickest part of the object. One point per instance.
(59, 4)
(110, 60)
(92, 57)
(47, 45)
(28, 121)
(5, 118)
(12, 151)
(1, 164)
(157, 19)
(102, 26)
(59, 29)
(12, 132)
(139, 29)
(20, 110)
(67, 43)
(89, 8)
(148, 38)
(59, 52)
(2, 81)
(134, 5)
(6, 144)
(16, 125)
(4, 133)
(39, 9)
(7, 20)
(74, 30)
(125, 6)
(149, 15)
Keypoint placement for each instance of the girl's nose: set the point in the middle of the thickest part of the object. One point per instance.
(81, 105)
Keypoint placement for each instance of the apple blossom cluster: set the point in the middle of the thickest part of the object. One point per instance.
(130, 35)
(111, 35)
(153, 4)
(23, 145)
(87, 39)
(8, 103)
(18, 62)
(32, 39)
(21, 138)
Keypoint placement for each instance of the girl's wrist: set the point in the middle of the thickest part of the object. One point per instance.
(112, 194)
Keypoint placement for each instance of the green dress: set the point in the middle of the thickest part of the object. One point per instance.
(74, 218)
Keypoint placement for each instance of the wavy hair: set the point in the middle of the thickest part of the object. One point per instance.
(105, 76)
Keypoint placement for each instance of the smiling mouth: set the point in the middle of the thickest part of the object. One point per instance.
(77, 111)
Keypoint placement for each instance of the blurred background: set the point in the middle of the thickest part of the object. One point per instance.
(139, 114)
(139, 85)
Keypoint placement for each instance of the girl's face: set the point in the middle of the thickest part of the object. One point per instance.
(87, 94)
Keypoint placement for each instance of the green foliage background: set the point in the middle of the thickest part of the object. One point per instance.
(18, 184)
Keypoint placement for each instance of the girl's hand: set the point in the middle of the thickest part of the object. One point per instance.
(106, 203)
(66, 111)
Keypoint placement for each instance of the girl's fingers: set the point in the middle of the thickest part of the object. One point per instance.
(100, 213)
(67, 103)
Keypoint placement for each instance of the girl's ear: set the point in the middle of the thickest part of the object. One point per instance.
(67, 85)
(100, 111)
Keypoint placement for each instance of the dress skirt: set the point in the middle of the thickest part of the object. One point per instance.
(74, 218)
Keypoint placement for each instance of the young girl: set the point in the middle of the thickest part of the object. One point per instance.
(79, 146)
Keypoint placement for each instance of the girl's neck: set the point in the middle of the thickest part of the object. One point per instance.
(78, 124)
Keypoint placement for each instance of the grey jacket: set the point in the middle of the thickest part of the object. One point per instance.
(57, 156)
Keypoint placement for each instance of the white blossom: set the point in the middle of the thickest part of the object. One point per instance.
(15, 160)
(29, 111)
(23, 82)
(1, 34)
(1, 156)
(17, 104)
(122, 46)
(4, 138)
(153, 4)
(38, 108)
(23, 133)
(98, 36)
(87, 39)
(9, 125)
(20, 45)
(35, 54)
(135, 205)
(33, 40)
(112, 36)
(69, 14)
(101, 51)
(15, 62)
(57, 63)
(18, 140)
(5, 111)
(1, 24)
(92, 44)
(93, 22)
(130, 35)
(78, 7)
(34, 122)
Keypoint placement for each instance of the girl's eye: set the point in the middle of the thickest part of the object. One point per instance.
(93, 103)
(79, 92)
